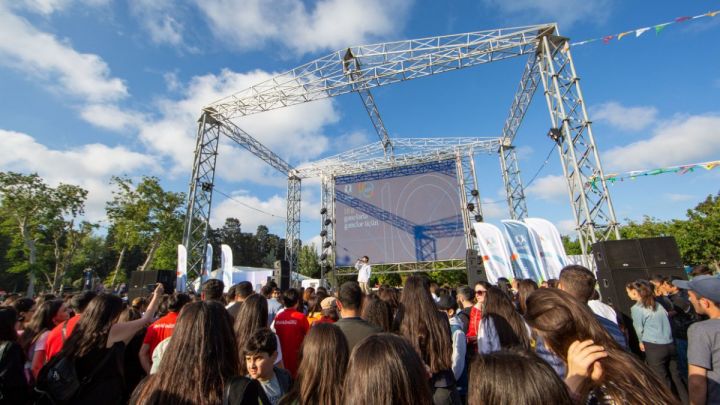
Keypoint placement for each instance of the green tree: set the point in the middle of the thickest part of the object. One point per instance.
(699, 236)
(649, 228)
(572, 246)
(308, 261)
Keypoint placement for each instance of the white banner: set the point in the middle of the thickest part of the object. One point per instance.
(494, 251)
(226, 266)
(525, 252)
(551, 244)
(208, 263)
(181, 281)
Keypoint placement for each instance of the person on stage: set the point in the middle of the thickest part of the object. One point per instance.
(364, 271)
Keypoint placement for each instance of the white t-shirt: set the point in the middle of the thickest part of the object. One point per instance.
(364, 271)
(604, 310)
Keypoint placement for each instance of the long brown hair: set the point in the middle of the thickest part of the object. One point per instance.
(384, 369)
(253, 315)
(422, 324)
(646, 292)
(377, 312)
(509, 324)
(200, 358)
(93, 328)
(515, 377)
(560, 319)
(525, 288)
(323, 360)
(41, 322)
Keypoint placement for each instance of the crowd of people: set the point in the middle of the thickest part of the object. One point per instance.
(513, 342)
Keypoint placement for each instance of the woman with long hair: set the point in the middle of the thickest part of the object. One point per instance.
(384, 369)
(14, 388)
(97, 347)
(428, 331)
(598, 368)
(25, 308)
(377, 312)
(46, 317)
(315, 307)
(201, 358)
(324, 358)
(501, 327)
(253, 315)
(515, 376)
(391, 296)
(525, 287)
(654, 333)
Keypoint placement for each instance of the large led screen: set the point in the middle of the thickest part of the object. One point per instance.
(400, 215)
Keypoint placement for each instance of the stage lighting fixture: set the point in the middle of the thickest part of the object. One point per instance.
(323, 233)
(327, 245)
(206, 186)
(323, 211)
(478, 218)
(328, 222)
(323, 256)
(472, 232)
(474, 193)
(471, 207)
(555, 135)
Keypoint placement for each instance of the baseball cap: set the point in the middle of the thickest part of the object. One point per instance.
(705, 286)
(328, 303)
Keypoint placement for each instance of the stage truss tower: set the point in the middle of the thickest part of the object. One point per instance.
(361, 68)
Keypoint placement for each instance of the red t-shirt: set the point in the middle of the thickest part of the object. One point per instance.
(55, 341)
(160, 330)
(475, 318)
(291, 327)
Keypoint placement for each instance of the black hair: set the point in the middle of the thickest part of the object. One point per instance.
(350, 295)
(213, 289)
(80, 301)
(262, 341)
(243, 289)
(176, 301)
(446, 302)
(290, 298)
(8, 317)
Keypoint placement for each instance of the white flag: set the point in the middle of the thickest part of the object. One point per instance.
(208, 263)
(525, 252)
(181, 281)
(551, 244)
(494, 251)
(226, 266)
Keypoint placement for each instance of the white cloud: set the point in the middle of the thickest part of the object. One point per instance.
(679, 197)
(329, 24)
(624, 118)
(47, 7)
(682, 140)
(245, 207)
(111, 117)
(352, 140)
(551, 187)
(565, 12)
(567, 227)
(495, 209)
(89, 166)
(156, 17)
(293, 133)
(40, 54)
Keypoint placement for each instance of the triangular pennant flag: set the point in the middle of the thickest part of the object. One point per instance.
(566, 46)
(623, 34)
(641, 31)
(711, 165)
(681, 19)
(713, 13)
(607, 38)
(660, 27)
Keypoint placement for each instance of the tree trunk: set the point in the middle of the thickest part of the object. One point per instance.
(58, 266)
(32, 257)
(117, 266)
(151, 255)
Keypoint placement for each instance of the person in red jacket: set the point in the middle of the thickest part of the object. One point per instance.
(161, 329)
(476, 315)
(56, 338)
(291, 327)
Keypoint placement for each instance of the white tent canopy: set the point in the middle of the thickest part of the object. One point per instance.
(257, 276)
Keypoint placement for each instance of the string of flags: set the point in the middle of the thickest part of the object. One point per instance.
(682, 169)
(639, 31)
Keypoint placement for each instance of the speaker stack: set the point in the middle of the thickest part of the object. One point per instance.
(622, 261)
(282, 274)
(139, 280)
(474, 267)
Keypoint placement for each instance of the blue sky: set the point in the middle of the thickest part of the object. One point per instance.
(94, 88)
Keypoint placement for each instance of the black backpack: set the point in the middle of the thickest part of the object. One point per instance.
(58, 380)
(244, 391)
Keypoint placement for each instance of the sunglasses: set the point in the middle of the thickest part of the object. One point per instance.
(480, 292)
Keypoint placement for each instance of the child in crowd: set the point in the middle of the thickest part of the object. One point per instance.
(260, 354)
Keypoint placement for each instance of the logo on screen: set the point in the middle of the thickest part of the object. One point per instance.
(366, 190)
(348, 188)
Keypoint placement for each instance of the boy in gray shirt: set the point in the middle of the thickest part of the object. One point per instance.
(704, 340)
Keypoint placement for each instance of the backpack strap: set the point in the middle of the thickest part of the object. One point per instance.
(236, 385)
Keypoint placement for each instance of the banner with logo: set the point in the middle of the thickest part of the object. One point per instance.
(226, 266)
(207, 268)
(526, 256)
(181, 280)
(551, 244)
(494, 251)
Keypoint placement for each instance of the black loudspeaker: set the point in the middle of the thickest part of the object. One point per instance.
(137, 293)
(474, 267)
(622, 261)
(282, 274)
(137, 279)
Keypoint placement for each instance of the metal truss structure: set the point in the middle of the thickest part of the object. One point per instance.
(359, 69)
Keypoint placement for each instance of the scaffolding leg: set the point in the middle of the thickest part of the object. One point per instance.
(514, 191)
(292, 230)
(327, 227)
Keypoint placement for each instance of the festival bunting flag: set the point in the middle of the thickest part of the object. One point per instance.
(632, 175)
(181, 280)
(526, 257)
(548, 237)
(494, 251)
(208, 263)
(639, 31)
(226, 266)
